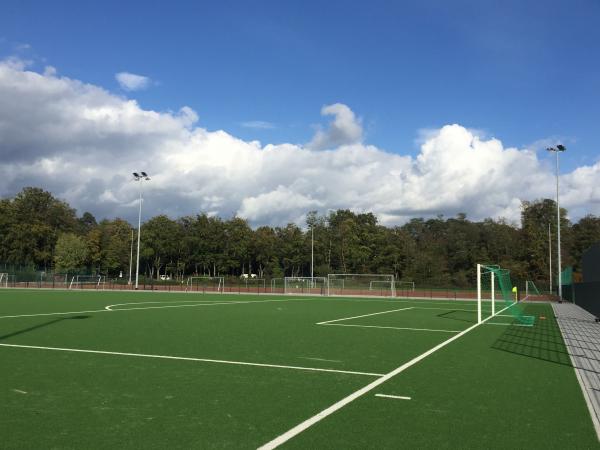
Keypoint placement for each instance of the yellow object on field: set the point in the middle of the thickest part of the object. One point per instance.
(514, 289)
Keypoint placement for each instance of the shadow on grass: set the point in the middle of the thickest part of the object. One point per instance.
(541, 341)
(460, 316)
(42, 325)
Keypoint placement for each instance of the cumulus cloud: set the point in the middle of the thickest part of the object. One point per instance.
(345, 128)
(82, 142)
(131, 81)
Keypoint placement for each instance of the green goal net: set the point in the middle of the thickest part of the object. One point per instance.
(498, 297)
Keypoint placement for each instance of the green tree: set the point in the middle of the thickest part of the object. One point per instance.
(71, 253)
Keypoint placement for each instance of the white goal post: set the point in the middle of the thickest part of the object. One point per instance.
(3, 279)
(78, 281)
(305, 285)
(531, 289)
(205, 284)
(361, 284)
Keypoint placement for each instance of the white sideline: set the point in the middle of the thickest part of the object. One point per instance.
(397, 397)
(184, 358)
(198, 303)
(364, 315)
(350, 398)
(391, 328)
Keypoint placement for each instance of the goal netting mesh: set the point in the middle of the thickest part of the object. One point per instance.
(498, 296)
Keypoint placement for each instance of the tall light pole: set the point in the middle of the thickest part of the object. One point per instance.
(130, 258)
(550, 256)
(139, 177)
(312, 255)
(558, 149)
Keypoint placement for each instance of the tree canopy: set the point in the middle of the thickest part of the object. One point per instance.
(41, 231)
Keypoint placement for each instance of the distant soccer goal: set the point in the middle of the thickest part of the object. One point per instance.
(361, 284)
(4, 279)
(277, 283)
(305, 285)
(205, 284)
(531, 290)
(88, 281)
(253, 282)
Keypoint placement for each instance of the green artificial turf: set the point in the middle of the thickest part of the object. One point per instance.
(495, 387)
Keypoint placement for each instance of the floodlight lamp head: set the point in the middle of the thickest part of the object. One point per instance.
(144, 174)
(136, 175)
(561, 148)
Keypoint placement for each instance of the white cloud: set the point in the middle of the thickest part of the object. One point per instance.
(131, 81)
(345, 128)
(259, 124)
(81, 143)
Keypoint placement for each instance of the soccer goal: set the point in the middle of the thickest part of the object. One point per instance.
(4, 279)
(361, 284)
(531, 290)
(88, 282)
(205, 284)
(305, 285)
(496, 297)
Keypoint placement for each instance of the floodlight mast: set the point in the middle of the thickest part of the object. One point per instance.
(558, 149)
(139, 177)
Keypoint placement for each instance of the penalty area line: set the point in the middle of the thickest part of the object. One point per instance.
(283, 438)
(185, 358)
(396, 397)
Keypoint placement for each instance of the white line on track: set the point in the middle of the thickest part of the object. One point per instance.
(391, 328)
(184, 358)
(397, 397)
(281, 439)
(364, 315)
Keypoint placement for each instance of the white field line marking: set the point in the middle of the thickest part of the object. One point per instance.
(391, 328)
(445, 309)
(369, 387)
(364, 315)
(397, 397)
(184, 358)
(320, 359)
(150, 307)
(19, 391)
(109, 307)
(510, 315)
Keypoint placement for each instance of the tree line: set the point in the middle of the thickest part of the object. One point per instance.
(42, 232)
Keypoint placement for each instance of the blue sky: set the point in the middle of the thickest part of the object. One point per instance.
(520, 71)
(527, 73)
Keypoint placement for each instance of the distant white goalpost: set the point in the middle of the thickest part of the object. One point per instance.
(4, 279)
(205, 283)
(78, 281)
(531, 289)
(305, 285)
(361, 284)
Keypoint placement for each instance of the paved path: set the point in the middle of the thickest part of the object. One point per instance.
(581, 334)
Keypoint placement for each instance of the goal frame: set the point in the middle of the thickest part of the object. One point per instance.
(4, 279)
(315, 283)
(335, 277)
(75, 281)
(190, 283)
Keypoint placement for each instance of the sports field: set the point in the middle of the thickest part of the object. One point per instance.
(156, 370)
